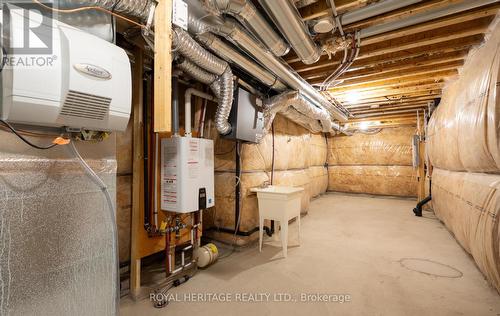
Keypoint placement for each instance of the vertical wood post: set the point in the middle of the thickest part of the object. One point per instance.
(163, 67)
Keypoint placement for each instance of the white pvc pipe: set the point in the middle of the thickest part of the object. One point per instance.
(187, 99)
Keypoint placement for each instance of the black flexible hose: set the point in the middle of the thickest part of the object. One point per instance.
(24, 139)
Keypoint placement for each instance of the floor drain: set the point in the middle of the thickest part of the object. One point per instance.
(430, 267)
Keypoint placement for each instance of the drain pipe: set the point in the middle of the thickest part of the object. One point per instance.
(187, 106)
(175, 105)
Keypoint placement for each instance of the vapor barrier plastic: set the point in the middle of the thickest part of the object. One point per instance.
(469, 205)
(463, 133)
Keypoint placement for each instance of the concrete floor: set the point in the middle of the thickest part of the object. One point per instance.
(370, 248)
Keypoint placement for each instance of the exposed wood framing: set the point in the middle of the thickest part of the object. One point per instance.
(402, 69)
(163, 67)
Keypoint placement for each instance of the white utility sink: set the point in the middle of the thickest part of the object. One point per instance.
(279, 203)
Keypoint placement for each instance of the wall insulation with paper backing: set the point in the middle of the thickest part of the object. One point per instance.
(469, 205)
(463, 133)
(463, 141)
(56, 239)
(378, 162)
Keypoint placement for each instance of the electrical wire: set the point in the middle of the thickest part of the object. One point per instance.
(87, 8)
(238, 220)
(18, 134)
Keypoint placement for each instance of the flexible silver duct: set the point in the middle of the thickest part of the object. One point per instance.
(289, 22)
(231, 55)
(190, 49)
(200, 75)
(245, 12)
(235, 33)
(137, 8)
(91, 21)
(296, 107)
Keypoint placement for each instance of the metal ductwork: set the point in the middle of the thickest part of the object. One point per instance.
(235, 33)
(200, 75)
(374, 9)
(245, 12)
(231, 55)
(424, 17)
(289, 22)
(137, 8)
(298, 109)
(191, 50)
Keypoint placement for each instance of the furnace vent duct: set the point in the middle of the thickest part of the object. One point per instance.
(230, 54)
(137, 8)
(236, 34)
(288, 20)
(245, 12)
(191, 50)
(200, 75)
(297, 108)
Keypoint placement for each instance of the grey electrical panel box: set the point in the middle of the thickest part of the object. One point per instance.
(246, 118)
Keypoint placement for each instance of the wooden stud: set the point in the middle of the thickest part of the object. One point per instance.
(163, 67)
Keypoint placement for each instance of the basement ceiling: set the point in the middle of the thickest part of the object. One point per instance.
(403, 70)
